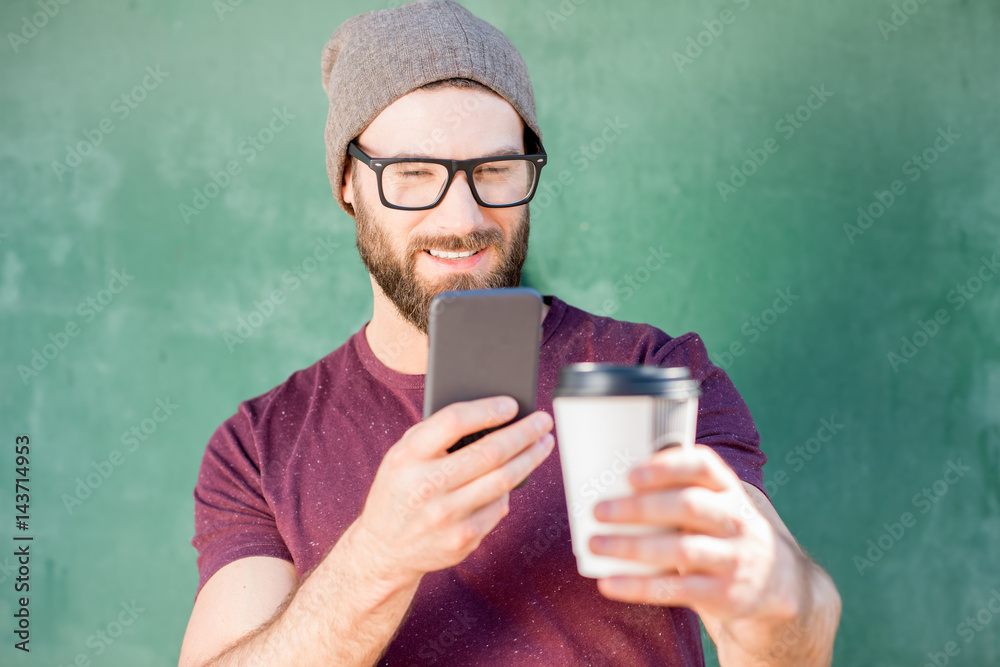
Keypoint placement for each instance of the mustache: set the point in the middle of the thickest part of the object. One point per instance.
(474, 240)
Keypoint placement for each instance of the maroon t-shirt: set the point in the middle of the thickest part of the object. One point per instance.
(290, 471)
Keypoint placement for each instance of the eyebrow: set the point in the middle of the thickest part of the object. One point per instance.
(504, 150)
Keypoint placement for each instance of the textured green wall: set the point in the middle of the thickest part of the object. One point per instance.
(641, 139)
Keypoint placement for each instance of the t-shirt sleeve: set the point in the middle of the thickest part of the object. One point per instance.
(724, 421)
(232, 518)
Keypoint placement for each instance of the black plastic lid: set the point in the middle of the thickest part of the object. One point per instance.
(594, 379)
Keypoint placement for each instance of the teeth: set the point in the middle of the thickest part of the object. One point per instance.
(452, 255)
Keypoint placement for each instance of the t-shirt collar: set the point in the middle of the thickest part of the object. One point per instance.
(392, 378)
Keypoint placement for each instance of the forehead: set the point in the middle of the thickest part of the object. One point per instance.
(446, 122)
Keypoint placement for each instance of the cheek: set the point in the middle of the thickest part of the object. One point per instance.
(364, 191)
(509, 220)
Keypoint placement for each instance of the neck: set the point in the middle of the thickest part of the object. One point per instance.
(397, 343)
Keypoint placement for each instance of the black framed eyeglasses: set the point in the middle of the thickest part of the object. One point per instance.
(416, 184)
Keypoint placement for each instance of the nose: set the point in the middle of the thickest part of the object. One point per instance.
(458, 212)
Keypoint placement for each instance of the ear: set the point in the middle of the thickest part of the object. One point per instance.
(347, 189)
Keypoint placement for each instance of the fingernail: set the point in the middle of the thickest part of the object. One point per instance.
(507, 407)
(547, 441)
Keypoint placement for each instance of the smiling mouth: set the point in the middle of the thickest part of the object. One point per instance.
(442, 254)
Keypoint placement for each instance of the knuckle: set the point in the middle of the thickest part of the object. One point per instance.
(504, 482)
(489, 453)
(437, 514)
(408, 433)
(688, 501)
(454, 544)
(738, 524)
(685, 551)
(393, 458)
(464, 534)
(663, 590)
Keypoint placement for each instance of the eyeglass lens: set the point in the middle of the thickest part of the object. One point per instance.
(415, 184)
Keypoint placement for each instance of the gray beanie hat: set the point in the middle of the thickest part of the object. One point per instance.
(375, 58)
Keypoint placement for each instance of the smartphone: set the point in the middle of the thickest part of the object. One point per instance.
(483, 343)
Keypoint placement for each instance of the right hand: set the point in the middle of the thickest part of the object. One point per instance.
(428, 509)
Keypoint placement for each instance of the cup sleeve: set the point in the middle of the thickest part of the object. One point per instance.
(724, 420)
(232, 516)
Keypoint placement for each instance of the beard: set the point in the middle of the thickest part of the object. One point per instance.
(395, 273)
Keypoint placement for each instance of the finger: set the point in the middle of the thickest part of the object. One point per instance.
(482, 521)
(694, 509)
(460, 536)
(670, 550)
(500, 481)
(497, 448)
(677, 466)
(669, 590)
(433, 436)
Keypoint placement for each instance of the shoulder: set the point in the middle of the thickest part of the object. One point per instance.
(633, 342)
(303, 384)
(278, 409)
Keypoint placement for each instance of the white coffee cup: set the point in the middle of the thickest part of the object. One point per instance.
(610, 418)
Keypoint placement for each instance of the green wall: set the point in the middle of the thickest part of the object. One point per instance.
(677, 128)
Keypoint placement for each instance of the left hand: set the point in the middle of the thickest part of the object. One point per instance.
(720, 555)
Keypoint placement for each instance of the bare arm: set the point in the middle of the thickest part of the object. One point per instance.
(805, 636)
(238, 598)
(348, 609)
(344, 612)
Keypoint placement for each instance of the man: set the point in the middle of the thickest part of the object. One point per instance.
(333, 527)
